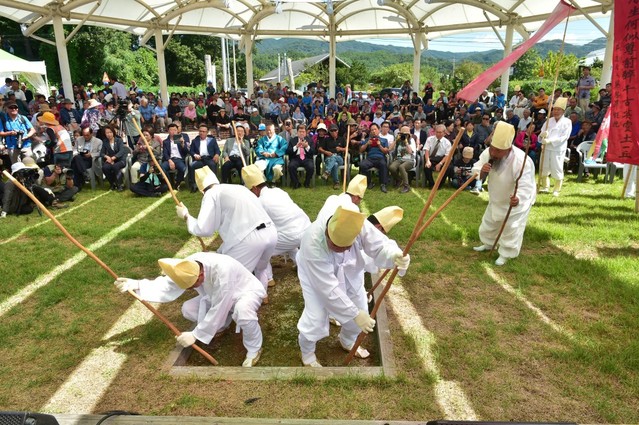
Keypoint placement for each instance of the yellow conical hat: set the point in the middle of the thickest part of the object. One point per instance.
(183, 272)
(561, 103)
(503, 136)
(389, 217)
(204, 178)
(345, 225)
(252, 176)
(357, 186)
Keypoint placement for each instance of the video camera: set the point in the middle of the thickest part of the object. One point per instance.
(403, 138)
(122, 109)
(27, 177)
(19, 135)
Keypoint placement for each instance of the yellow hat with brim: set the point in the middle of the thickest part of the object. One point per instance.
(561, 103)
(48, 118)
(252, 176)
(357, 186)
(389, 217)
(503, 136)
(183, 272)
(345, 225)
(204, 178)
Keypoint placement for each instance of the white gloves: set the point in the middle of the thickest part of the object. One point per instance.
(124, 284)
(186, 339)
(364, 321)
(182, 211)
(401, 262)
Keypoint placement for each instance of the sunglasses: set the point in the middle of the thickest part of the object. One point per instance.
(13, 107)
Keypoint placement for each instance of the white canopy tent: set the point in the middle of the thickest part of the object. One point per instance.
(329, 20)
(33, 72)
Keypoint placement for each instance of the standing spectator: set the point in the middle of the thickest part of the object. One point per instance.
(117, 89)
(584, 85)
(16, 130)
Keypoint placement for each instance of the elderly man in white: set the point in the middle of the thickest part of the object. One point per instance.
(290, 220)
(225, 291)
(502, 164)
(247, 232)
(329, 261)
(554, 137)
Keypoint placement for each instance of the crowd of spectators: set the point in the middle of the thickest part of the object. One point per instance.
(94, 130)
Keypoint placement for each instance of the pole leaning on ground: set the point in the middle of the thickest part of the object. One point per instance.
(95, 258)
(419, 228)
(529, 131)
(346, 166)
(166, 179)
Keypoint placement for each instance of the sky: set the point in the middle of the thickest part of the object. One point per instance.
(579, 32)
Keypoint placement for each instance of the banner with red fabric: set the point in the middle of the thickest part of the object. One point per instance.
(623, 142)
(472, 91)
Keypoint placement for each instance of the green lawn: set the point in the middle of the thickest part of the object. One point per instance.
(578, 268)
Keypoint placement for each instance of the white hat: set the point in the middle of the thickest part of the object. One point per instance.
(541, 111)
(204, 178)
(17, 166)
(389, 217)
(252, 176)
(108, 97)
(345, 225)
(357, 186)
(183, 272)
(503, 136)
(468, 152)
(560, 103)
(321, 126)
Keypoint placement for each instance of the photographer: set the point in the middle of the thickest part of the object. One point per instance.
(60, 182)
(89, 148)
(14, 201)
(16, 131)
(150, 184)
(59, 139)
(463, 169)
(405, 149)
(132, 133)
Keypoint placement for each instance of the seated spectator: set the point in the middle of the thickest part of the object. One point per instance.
(174, 110)
(298, 117)
(175, 149)
(512, 118)
(160, 117)
(222, 122)
(189, 117)
(354, 142)
(150, 184)
(376, 149)
(70, 118)
(521, 141)
(595, 115)
(200, 111)
(470, 138)
(88, 147)
(141, 160)
(59, 138)
(435, 151)
(572, 107)
(300, 152)
(585, 134)
(113, 156)
(463, 170)
(146, 112)
(233, 155)
(333, 148)
(270, 152)
(241, 117)
(60, 182)
(205, 152)
(525, 121)
(255, 120)
(405, 149)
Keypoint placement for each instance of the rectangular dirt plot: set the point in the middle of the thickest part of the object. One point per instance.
(280, 351)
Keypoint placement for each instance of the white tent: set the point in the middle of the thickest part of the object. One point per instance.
(33, 72)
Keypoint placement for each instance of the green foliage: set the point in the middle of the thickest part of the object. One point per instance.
(567, 64)
(467, 71)
(393, 75)
(525, 65)
(357, 76)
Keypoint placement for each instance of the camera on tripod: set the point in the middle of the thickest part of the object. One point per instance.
(122, 109)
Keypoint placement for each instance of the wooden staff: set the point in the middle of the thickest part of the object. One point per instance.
(166, 179)
(627, 181)
(347, 144)
(531, 127)
(239, 142)
(420, 230)
(552, 102)
(103, 265)
(417, 231)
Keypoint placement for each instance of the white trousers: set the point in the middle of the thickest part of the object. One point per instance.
(630, 189)
(512, 237)
(554, 164)
(255, 251)
(285, 245)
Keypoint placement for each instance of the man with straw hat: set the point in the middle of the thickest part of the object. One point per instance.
(502, 162)
(247, 231)
(290, 220)
(554, 137)
(330, 260)
(226, 291)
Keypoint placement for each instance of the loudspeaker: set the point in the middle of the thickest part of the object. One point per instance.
(26, 418)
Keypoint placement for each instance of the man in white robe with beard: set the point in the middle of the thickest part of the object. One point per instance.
(502, 163)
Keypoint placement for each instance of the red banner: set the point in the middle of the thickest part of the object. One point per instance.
(623, 144)
(472, 91)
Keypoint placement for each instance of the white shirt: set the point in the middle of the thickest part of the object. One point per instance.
(119, 90)
(442, 149)
(558, 134)
(204, 150)
(524, 123)
(175, 152)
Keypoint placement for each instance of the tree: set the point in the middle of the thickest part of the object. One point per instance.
(525, 66)
(466, 72)
(393, 75)
(357, 73)
(568, 66)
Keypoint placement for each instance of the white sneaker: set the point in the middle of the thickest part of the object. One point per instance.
(544, 190)
(361, 353)
(555, 194)
(334, 321)
(481, 248)
(271, 283)
(314, 363)
(251, 360)
(501, 261)
(475, 191)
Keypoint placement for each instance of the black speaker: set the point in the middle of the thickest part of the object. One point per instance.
(26, 418)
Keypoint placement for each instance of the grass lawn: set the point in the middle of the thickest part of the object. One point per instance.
(551, 336)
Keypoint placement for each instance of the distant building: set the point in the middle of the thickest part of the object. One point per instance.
(299, 66)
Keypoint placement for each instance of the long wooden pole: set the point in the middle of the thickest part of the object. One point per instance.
(346, 166)
(166, 179)
(414, 235)
(521, 173)
(412, 240)
(552, 102)
(103, 265)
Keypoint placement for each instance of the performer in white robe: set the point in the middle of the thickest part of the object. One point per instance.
(555, 141)
(502, 163)
(354, 194)
(330, 257)
(290, 220)
(247, 231)
(225, 291)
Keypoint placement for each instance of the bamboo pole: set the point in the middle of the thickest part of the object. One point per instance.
(346, 166)
(413, 237)
(166, 179)
(552, 102)
(521, 173)
(103, 265)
